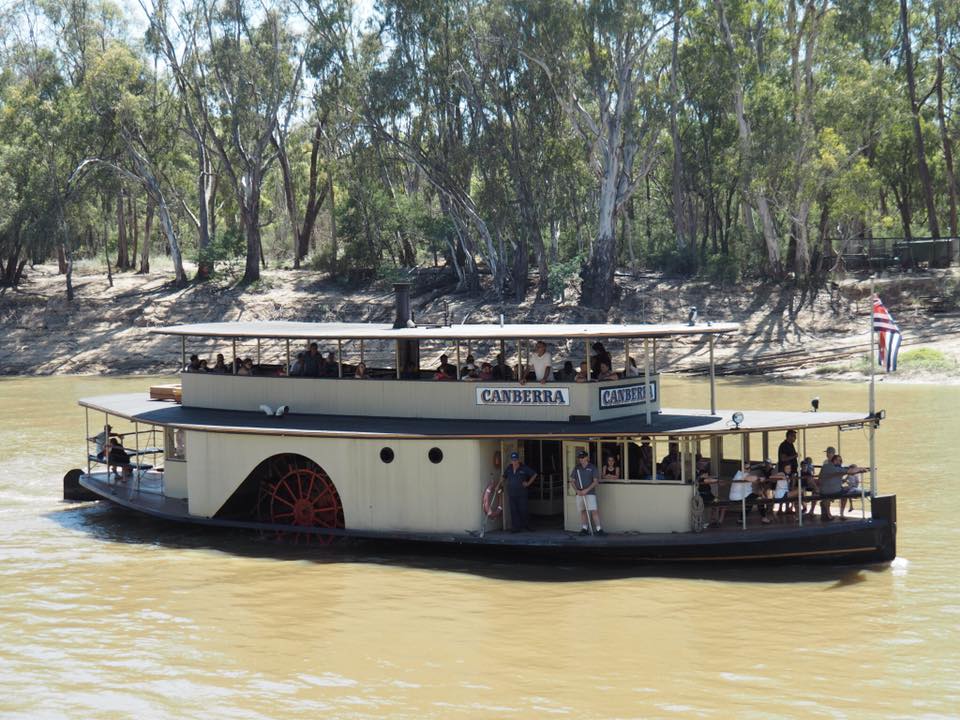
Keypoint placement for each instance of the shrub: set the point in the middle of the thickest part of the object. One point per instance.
(927, 360)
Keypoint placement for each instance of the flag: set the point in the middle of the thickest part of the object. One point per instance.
(888, 336)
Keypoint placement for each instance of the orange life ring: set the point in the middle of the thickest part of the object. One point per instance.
(493, 500)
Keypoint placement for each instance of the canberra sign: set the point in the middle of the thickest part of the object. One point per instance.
(624, 395)
(524, 397)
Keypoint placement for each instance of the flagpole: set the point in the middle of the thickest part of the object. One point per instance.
(873, 408)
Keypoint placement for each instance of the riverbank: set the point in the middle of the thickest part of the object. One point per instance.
(786, 332)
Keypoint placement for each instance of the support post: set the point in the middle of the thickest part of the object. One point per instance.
(183, 352)
(86, 437)
(287, 370)
(339, 358)
(873, 400)
(233, 363)
(646, 377)
(398, 358)
(457, 341)
(136, 462)
(713, 381)
(258, 351)
(586, 356)
(361, 351)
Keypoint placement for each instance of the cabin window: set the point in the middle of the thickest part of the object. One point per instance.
(386, 455)
(435, 455)
(175, 442)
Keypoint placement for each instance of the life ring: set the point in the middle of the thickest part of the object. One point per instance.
(493, 500)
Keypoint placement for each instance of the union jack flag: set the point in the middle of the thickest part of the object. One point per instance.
(888, 336)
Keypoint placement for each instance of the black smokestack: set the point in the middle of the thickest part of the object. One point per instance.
(409, 350)
(402, 291)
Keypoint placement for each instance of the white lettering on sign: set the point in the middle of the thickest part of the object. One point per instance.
(523, 396)
(624, 395)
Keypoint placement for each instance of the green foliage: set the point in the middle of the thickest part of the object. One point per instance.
(926, 360)
(563, 273)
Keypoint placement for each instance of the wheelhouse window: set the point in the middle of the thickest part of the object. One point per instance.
(175, 443)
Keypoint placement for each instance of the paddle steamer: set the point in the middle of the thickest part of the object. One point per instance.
(404, 457)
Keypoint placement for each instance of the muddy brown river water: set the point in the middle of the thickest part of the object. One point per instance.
(104, 614)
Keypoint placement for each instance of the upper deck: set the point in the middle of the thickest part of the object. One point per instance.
(403, 387)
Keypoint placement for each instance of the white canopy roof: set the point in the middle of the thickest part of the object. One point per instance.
(383, 331)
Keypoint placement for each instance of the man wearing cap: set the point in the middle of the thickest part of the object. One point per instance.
(584, 479)
(519, 477)
(830, 481)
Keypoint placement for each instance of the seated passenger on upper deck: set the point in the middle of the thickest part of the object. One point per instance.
(193, 365)
(331, 366)
(567, 373)
(584, 374)
(220, 367)
(631, 371)
(360, 373)
(312, 362)
(469, 366)
(486, 371)
(644, 459)
(446, 368)
(606, 373)
(501, 371)
(296, 368)
(600, 355)
(539, 365)
(246, 368)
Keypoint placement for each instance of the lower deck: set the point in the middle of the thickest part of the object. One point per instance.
(742, 536)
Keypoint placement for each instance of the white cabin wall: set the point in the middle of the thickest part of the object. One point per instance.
(409, 494)
(396, 398)
(638, 507)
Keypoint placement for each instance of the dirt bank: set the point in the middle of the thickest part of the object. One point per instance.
(786, 331)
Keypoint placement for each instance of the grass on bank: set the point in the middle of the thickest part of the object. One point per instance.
(918, 360)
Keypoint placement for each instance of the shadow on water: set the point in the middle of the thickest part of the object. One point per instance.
(112, 524)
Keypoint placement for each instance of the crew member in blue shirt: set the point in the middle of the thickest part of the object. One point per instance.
(519, 477)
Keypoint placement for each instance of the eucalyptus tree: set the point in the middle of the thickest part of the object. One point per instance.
(240, 77)
(606, 81)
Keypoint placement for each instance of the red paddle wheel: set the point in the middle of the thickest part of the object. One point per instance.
(296, 491)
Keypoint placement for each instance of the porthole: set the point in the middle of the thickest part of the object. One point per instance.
(435, 455)
(386, 454)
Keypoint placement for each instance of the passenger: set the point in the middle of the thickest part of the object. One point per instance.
(808, 481)
(670, 465)
(486, 371)
(787, 452)
(645, 463)
(203, 366)
(360, 373)
(101, 440)
(611, 469)
(118, 461)
(519, 478)
(567, 373)
(312, 362)
(757, 478)
(840, 479)
(193, 365)
(296, 369)
(539, 364)
(584, 479)
(246, 369)
(830, 482)
(442, 376)
(705, 485)
(784, 490)
(331, 368)
(600, 355)
(470, 375)
(446, 368)
(584, 375)
(410, 372)
(606, 373)
(851, 484)
(631, 371)
(220, 367)
(469, 366)
(501, 371)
